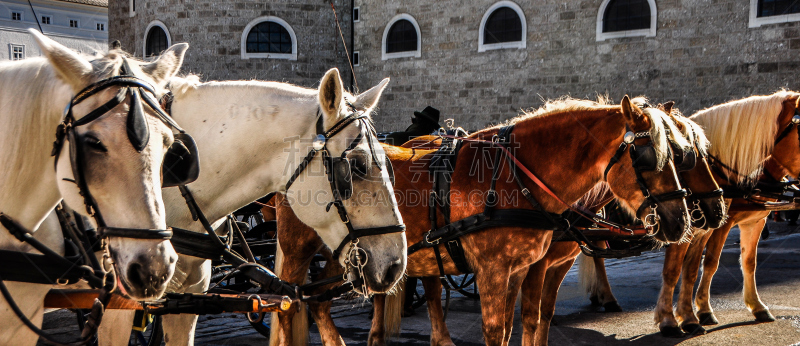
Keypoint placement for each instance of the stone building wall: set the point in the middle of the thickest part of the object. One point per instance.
(703, 54)
(214, 29)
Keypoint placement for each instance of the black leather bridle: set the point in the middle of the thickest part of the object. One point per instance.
(688, 161)
(135, 90)
(643, 158)
(320, 145)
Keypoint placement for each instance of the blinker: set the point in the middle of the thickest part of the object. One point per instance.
(319, 142)
(629, 137)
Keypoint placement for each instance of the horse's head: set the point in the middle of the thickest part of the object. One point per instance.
(787, 142)
(109, 156)
(644, 178)
(708, 209)
(352, 203)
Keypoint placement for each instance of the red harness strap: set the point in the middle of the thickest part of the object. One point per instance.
(613, 227)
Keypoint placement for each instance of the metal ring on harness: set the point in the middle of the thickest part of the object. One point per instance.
(696, 209)
(260, 314)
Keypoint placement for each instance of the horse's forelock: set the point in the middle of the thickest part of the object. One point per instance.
(693, 133)
(660, 127)
(180, 85)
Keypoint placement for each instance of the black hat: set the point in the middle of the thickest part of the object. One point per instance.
(429, 113)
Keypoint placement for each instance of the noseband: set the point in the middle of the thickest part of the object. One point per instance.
(644, 159)
(692, 157)
(135, 90)
(338, 171)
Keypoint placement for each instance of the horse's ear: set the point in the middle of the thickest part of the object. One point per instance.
(630, 112)
(369, 98)
(627, 112)
(167, 65)
(331, 93)
(69, 66)
(668, 107)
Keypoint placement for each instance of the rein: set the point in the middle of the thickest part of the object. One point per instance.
(450, 233)
(576, 210)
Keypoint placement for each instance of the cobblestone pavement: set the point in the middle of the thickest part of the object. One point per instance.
(636, 282)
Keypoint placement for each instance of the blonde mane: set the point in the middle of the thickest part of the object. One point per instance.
(742, 133)
(692, 132)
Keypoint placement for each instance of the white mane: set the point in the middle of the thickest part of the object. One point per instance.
(28, 121)
(742, 133)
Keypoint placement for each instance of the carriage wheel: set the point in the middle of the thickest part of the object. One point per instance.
(466, 281)
(153, 335)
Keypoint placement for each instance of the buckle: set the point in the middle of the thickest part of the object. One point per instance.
(434, 242)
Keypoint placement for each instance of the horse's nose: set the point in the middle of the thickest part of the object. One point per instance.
(393, 273)
(146, 279)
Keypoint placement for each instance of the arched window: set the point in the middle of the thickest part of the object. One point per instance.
(401, 38)
(625, 18)
(156, 39)
(502, 26)
(269, 37)
(773, 11)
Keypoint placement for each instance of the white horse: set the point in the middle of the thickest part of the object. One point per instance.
(251, 136)
(124, 182)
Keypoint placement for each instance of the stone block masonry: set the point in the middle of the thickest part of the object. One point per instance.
(703, 53)
(213, 29)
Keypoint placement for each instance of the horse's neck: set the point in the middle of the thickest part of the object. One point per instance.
(31, 100)
(568, 154)
(250, 140)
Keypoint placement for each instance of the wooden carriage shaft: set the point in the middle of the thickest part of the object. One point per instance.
(84, 298)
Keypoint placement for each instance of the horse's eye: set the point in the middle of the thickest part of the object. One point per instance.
(94, 143)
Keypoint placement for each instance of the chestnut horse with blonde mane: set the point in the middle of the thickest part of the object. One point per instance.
(540, 288)
(745, 141)
(744, 137)
(593, 131)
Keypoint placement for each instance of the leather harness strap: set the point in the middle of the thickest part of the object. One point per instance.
(523, 218)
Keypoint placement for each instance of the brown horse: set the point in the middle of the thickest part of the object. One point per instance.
(571, 143)
(735, 122)
(743, 135)
(540, 288)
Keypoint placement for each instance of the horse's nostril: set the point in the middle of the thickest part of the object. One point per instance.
(393, 273)
(136, 275)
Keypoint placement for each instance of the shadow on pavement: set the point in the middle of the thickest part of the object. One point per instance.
(565, 334)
